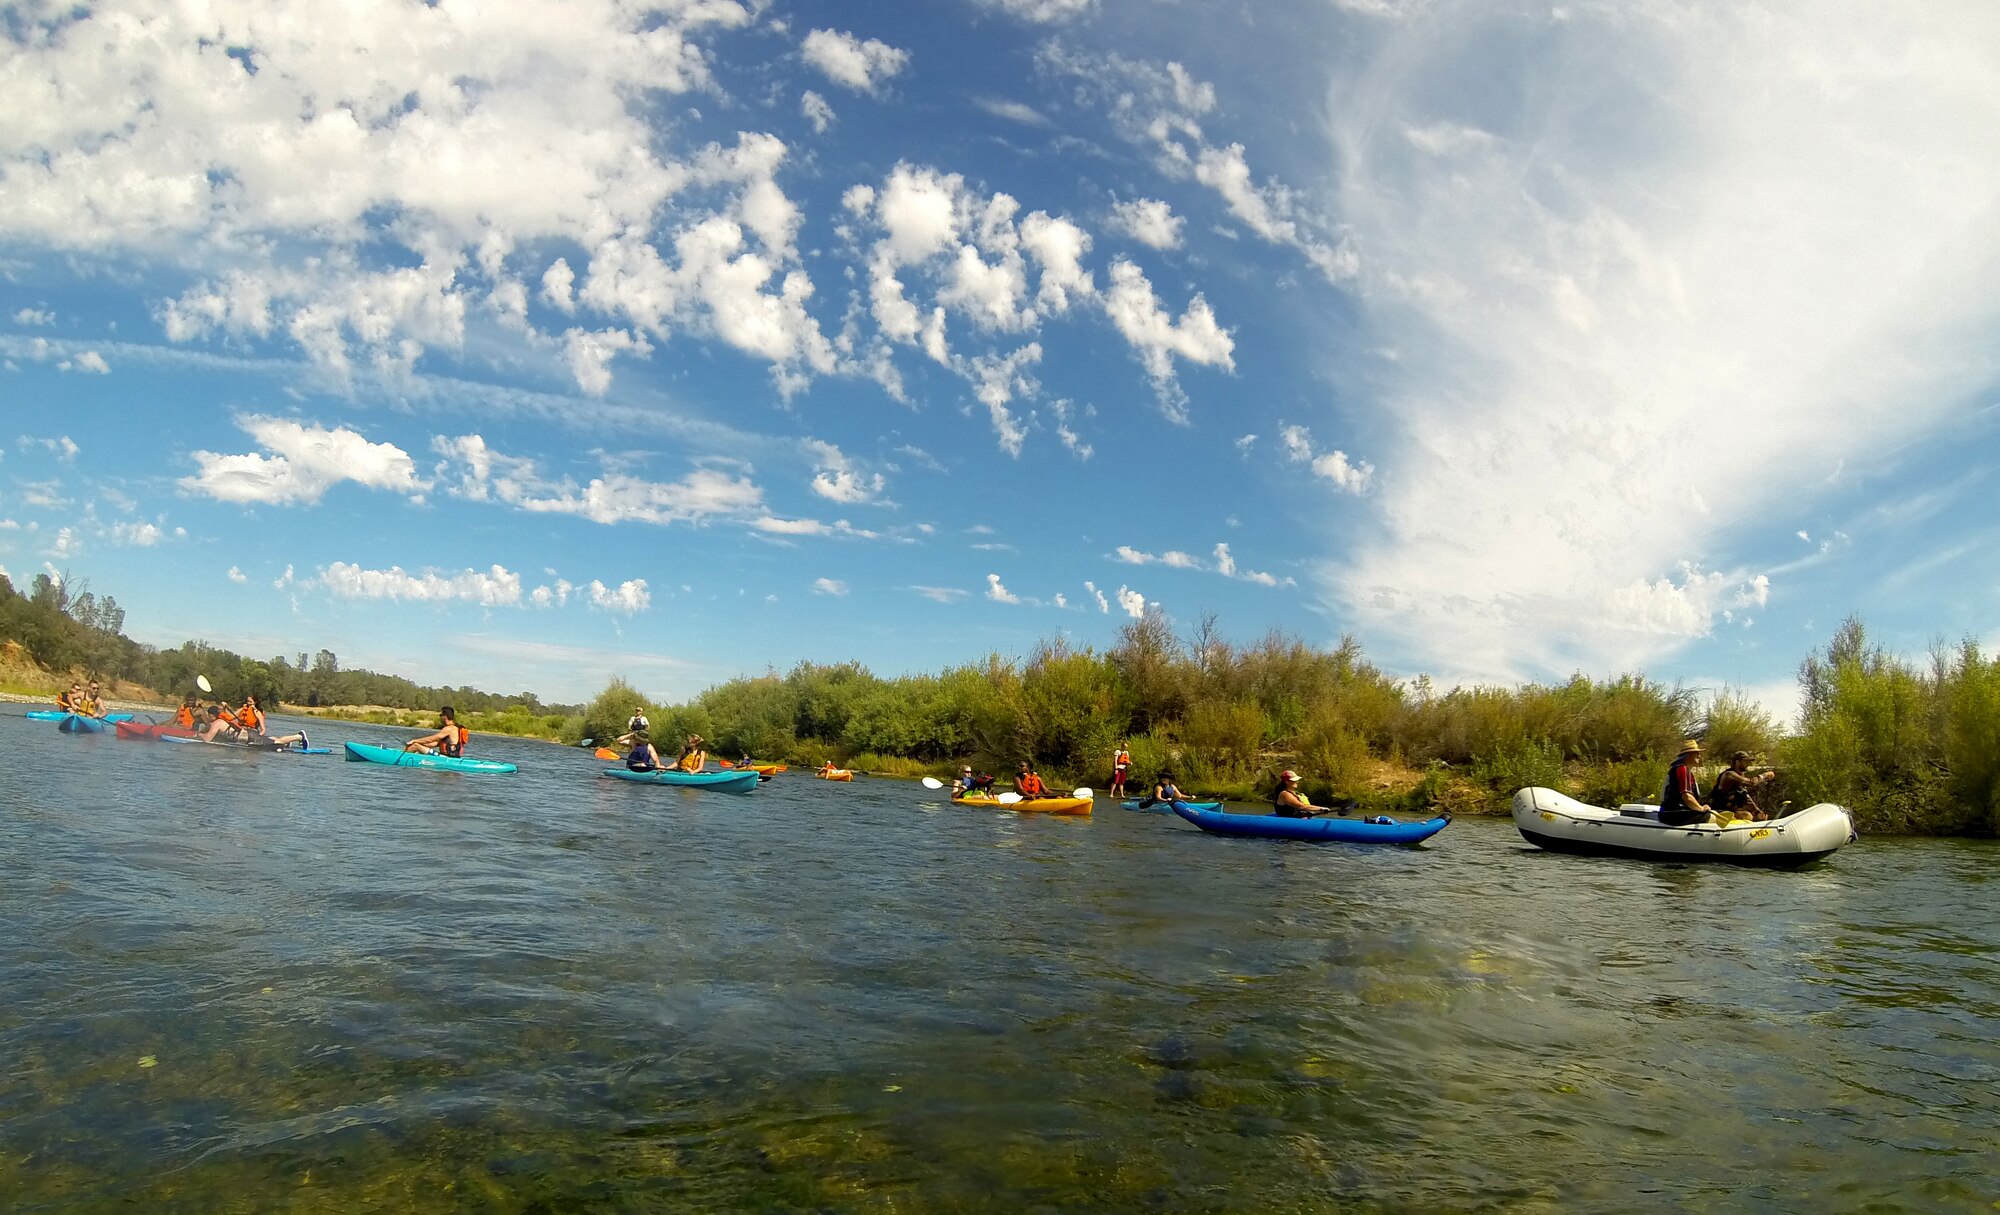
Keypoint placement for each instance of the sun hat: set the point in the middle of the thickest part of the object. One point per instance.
(1687, 746)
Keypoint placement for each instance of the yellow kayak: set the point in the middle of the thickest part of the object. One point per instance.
(1042, 805)
(835, 774)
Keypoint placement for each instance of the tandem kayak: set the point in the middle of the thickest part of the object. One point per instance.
(1166, 807)
(151, 732)
(1313, 830)
(60, 714)
(1032, 805)
(1559, 823)
(396, 757)
(727, 782)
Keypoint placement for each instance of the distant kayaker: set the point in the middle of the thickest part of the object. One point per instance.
(1121, 764)
(965, 782)
(71, 700)
(1680, 801)
(1164, 790)
(643, 757)
(448, 739)
(636, 728)
(1734, 787)
(184, 717)
(1028, 782)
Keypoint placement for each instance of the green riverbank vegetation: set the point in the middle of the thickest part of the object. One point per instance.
(1909, 747)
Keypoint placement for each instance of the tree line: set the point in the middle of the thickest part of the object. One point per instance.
(65, 627)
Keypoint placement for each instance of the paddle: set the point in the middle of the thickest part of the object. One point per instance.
(606, 753)
(1083, 791)
(932, 782)
(201, 681)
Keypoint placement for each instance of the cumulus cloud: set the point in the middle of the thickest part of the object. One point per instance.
(471, 469)
(34, 316)
(89, 362)
(62, 447)
(496, 586)
(1158, 338)
(836, 478)
(1346, 474)
(1132, 601)
(815, 110)
(1103, 604)
(853, 63)
(304, 462)
(998, 593)
(1570, 305)
(1148, 221)
(1043, 12)
(627, 598)
(829, 586)
(237, 576)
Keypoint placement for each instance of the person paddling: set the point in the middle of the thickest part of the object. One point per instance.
(448, 739)
(1290, 803)
(1734, 786)
(966, 783)
(643, 757)
(1028, 782)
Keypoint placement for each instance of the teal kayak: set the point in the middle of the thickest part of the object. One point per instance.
(728, 782)
(60, 714)
(1166, 807)
(1316, 830)
(71, 723)
(396, 757)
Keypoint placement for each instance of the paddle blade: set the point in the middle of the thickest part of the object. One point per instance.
(932, 782)
(605, 753)
(1008, 798)
(201, 681)
(1086, 791)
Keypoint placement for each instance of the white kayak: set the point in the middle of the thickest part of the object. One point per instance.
(1548, 819)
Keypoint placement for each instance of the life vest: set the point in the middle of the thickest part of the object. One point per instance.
(454, 748)
(64, 703)
(1122, 760)
(222, 711)
(184, 718)
(693, 760)
(1032, 786)
(250, 718)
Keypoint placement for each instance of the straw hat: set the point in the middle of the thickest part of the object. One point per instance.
(1688, 746)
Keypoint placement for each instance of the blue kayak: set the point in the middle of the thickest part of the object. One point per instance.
(72, 723)
(396, 757)
(1166, 807)
(60, 714)
(728, 782)
(1315, 830)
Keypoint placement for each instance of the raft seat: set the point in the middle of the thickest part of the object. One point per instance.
(1639, 810)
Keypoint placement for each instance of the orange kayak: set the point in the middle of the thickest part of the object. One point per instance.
(1042, 805)
(835, 774)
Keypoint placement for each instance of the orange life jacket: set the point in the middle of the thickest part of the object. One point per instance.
(249, 718)
(1032, 786)
(184, 718)
(63, 701)
(455, 749)
(223, 712)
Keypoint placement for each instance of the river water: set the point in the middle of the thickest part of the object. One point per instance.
(235, 982)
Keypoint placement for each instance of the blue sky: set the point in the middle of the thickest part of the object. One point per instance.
(530, 346)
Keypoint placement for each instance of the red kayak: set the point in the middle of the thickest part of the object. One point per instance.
(150, 732)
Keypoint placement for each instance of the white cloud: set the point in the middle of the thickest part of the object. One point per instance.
(89, 362)
(305, 462)
(34, 316)
(138, 534)
(1148, 221)
(1245, 445)
(475, 471)
(66, 544)
(998, 593)
(854, 63)
(1103, 604)
(238, 576)
(63, 448)
(1132, 601)
(815, 110)
(1043, 12)
(493, 587)
(1158, 338)
(1347, 474)
(1013, 111)
(627, 598)
(1569, 307)
(836, 479)
(829, 586)
(941, 594)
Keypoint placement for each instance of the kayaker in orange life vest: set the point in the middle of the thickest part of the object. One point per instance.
(68, 701)
(448, 739)
(185, 715)
(1028, 783)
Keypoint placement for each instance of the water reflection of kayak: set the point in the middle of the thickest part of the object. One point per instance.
(1551, 820)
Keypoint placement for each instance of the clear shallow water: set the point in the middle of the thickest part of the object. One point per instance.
(233, 982)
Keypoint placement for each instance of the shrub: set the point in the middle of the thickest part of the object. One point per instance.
(1517, 765)
(1736, 723)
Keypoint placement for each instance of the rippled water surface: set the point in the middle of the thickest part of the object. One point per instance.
(234, 982)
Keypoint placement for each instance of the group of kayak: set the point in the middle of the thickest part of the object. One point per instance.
(1544, 817)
